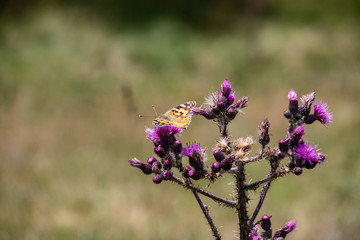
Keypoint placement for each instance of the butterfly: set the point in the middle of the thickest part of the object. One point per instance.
(179, 116)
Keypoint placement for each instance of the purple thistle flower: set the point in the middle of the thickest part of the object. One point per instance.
(190, 148)
(322, 113)
(308, 154)
(226, 88)
(196, 154)
(163, 133)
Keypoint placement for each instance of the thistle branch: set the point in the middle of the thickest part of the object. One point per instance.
(207, 216)
(218, 199)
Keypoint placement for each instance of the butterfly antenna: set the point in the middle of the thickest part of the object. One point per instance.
(153, 107)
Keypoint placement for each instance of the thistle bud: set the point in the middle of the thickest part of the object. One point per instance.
(186, 172)
(283, 146)
(196, 175)
(309, 119)
(144, 167)
(167, 174)
(297, 171)
(266, 222)
(167, 164)
(263, 131)
(219, 155)
(151, 160)
(157, 179)
(231, 113)
(216, 167)
(287, 114)
(160, 151)
(226, 164)
(177, 147)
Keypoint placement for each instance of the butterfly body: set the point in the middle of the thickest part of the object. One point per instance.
(179, 116)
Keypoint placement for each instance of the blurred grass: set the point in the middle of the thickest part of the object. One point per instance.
(71, 89)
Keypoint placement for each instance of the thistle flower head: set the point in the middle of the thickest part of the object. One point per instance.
(308, 154)
(226, 87)
(223, 145)
(322, 113)
(188, 151)
(163, 133)
(243, 144)
(196, 154)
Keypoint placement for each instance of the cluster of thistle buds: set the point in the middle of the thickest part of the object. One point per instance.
(231, 156)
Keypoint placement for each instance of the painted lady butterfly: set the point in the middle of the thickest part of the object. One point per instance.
(179, 116)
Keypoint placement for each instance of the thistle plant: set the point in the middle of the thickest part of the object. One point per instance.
(290, 155)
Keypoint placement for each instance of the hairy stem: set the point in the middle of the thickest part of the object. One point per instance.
(207, 216)
(218, 199)
(242, 200)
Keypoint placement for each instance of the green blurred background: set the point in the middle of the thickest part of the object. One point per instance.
(75, 75)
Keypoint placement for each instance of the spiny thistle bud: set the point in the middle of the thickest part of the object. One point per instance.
(177, 147)
(287, 114)
(151, 160)
(157, 179)
(167, 174)
(160, 151)
(266, 225)
(186, 172)
(226, 164)
(144, 167)
(156, 167)
(265, 222)
(196, 175)
(218, 155)
(309, 119)
(293, 102)
(263, 131)
(221, 106)
(283, 146)
(167, 164)
(297, 171)
(241, 103)
(231, 113)
(216, 167)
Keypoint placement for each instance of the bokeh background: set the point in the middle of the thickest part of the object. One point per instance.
(75, 75)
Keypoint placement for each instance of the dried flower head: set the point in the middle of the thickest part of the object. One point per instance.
(243, 144)
(223, 145)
